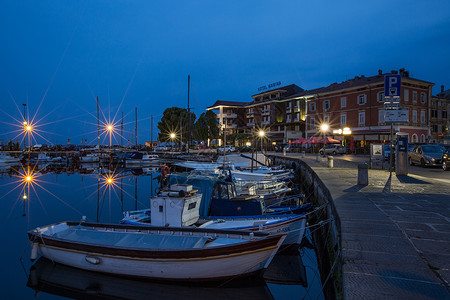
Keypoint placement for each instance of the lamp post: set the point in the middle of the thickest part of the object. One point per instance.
(172, 137)
(261, 134)
(110, 129)
(324, 128)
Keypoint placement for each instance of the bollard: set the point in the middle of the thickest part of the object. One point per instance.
(303, 153)
(330, 161)
(318, 157)
(363, 174)
(284, 152)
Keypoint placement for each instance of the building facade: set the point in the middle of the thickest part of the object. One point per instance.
(353, 111)
(439, 115)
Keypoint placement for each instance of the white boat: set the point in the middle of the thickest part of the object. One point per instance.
(90, 158)
(6, 158)
(167, 253)
(180, 207)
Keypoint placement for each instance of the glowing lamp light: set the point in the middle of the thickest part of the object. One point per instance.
(24, 122)
(261, 133)
(324, 127)
(347, 131)
(28, 128)
(109, 127)
(109, 180)
(338, 131)
(248, 144)
(28, 178)
(25, 197)
(172, 135)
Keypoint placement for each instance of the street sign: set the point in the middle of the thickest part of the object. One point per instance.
(392, 84)
(391, 105)
(399, 115)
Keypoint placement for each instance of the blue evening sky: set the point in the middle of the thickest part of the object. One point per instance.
(57, 56)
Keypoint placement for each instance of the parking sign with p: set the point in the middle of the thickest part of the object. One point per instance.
(392, 84)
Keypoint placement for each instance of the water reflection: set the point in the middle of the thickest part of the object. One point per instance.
(71, 191)
(61, 280)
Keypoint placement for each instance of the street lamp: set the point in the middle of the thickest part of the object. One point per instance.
(172, 137)
(110, 128)
(261, 134)
(324, 128)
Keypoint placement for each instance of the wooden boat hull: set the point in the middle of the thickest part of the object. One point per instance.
(215, 263)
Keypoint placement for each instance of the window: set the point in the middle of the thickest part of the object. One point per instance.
(439, 103)
(434, 113)
(406, 95)
(343, 119)
(380, 97)
(422, 117)
(326, 105)
(422, 138)
(297, 117)
(361, 118)
(414, 116)
(288, 118)
(326, 119)
(381, 116)
(362, 99)
(312, 106)
(434, 128)
(288, 105)
(423, 98)
(414, 138)
(414, 97)
(444, 114)
(312, 123)
(343, 101)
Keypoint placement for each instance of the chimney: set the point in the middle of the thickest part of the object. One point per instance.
(380, 72)
(394, 72)
(401, 71)
(442, 88)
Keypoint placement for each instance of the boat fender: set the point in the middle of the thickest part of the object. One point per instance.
(165, 171)
(252, 235)
(93, 259)
(34, 251)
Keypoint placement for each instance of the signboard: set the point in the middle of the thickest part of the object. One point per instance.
(399, 115)
(269, 86)
(376, 156)
(392, 84)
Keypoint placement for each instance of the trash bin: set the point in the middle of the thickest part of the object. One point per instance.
(330, 161)
(363, 174)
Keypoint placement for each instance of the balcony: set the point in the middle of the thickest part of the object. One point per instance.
(230, 115)
(265, 122)
(288, 109)
(251, 124)
(232, 126)
(265, 112)
(296, 108)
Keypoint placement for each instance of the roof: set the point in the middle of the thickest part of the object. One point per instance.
(227, 103)
(444, 94)
(355, 82)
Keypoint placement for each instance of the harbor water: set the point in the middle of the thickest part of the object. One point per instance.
(69, 195)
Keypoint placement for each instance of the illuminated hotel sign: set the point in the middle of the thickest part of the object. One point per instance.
(270, 86)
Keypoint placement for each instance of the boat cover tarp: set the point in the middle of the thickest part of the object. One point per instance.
(202, 181)
(81, 234)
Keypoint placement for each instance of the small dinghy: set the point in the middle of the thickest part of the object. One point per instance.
(166, 253)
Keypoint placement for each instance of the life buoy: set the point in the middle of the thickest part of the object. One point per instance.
(165, 171)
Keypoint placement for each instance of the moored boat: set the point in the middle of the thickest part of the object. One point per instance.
(167, 253)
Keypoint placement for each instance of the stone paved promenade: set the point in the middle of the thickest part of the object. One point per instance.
(395, 232)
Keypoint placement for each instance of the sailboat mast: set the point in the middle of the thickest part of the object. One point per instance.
(189, 117)
(135, 128)
(98, 127)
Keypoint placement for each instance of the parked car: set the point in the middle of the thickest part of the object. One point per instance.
(228, 148)
(201, 147)
(161, 148)
(446, 160)
(426, 155)
(332, 149)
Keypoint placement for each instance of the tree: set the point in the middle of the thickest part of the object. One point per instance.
(206, 127)
(175, 120)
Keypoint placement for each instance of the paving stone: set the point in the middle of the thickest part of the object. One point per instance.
(362, 286)
(428, 236)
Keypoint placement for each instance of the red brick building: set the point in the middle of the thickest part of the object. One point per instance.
(358, 104)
